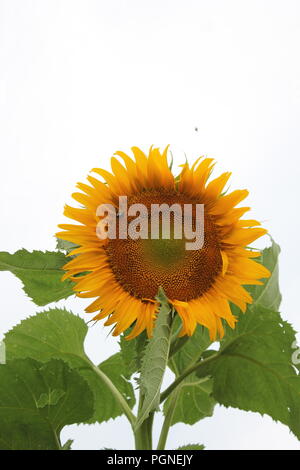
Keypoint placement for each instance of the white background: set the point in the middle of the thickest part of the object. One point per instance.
(81, 79)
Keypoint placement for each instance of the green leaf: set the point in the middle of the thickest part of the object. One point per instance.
(253, 370)
(132, 351)
(191, 447)
(41, 274)
(155, 359)
(115, 369)
(32, 412)
(194, 400)
(268, 295)
(193, 396)
(191, 351)
(59, 334)
(129, 354)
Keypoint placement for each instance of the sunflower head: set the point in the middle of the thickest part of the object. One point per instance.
(124, 272)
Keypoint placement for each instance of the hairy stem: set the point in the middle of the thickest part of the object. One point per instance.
(115, 392)
(143, 435)
(168, 420)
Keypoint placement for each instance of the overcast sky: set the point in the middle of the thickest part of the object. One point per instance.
(80, 79)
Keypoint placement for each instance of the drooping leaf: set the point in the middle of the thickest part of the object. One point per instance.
(40, 273)
(191, 447)
(60, 334)
(253, 370)
(37, 400)
(155, 359)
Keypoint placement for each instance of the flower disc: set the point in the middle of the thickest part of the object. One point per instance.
(142, 266)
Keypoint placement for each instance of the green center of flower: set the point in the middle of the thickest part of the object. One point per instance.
(163, 252)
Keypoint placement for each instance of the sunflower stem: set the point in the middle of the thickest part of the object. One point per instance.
(143, 435)
(150, 426)
(187, 372)
(118, 396)
(174, 389)
(168, 420)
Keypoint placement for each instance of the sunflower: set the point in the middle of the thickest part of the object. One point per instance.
(124, 275)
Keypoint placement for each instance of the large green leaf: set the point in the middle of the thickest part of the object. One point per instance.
(59, 334)
(155, 359)
(195, 401)
(41, 274)
(268, 295)
(253, 369)
(37, 400)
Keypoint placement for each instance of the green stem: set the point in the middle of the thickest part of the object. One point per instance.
(118, 396)
(143, 435)
(168, 420)
(57, 440)
(175, 388)
(187, 372)
(149, 428)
